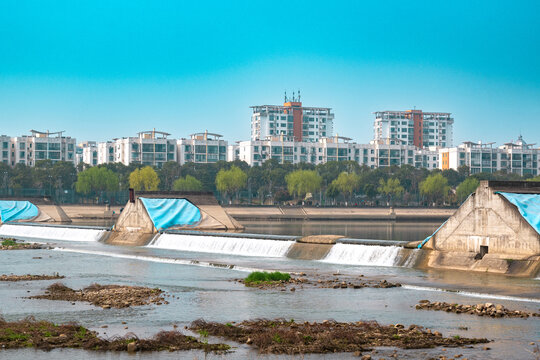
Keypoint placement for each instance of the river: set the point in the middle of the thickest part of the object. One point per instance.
(203, 288)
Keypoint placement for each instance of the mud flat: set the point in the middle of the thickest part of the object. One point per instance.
(288, 337)
(487, 309)
(29, 277)
(46, 335)
(106, 296)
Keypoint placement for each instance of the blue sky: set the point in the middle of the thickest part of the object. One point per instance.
(107, 69)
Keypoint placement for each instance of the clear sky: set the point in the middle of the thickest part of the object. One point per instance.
(107, 69)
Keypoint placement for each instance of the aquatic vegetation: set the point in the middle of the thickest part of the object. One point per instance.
(288, 337)
(45, 335)
(259, 277)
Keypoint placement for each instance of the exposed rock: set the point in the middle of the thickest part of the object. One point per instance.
(487, 309)
(106, 296)
(288, 337)
(29, 277)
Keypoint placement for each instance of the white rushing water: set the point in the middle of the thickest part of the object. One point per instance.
(353, 254)
(222, 245)
(470, 293)
(51, 232)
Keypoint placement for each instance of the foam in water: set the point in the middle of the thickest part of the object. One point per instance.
(353, 254)
(160, 259)
(470, 293)
(222, 245)
(51, 232)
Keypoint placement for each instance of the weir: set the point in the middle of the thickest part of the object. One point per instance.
(222, 245)
(56, 232)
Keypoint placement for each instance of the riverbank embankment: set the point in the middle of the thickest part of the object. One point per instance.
(82, 213)
(284, 213)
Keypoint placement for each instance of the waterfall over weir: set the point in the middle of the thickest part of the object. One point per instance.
(51, 232)
(222, 245)
(370, 255)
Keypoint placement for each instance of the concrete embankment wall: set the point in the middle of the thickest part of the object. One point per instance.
(286, 213)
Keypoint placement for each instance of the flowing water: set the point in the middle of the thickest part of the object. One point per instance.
(198, 271)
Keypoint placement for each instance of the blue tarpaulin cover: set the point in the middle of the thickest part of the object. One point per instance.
(17, 210)
(168, 213)
(528, 206)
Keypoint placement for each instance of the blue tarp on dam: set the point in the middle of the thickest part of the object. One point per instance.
(17, 210)
(528, 206)
(169, 213)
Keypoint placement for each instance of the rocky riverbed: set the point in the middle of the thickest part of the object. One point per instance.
(13, 244)
(288, 337)
(335, 282)
(45, 335)
(29, 277)
(484, 309)
(106, 296)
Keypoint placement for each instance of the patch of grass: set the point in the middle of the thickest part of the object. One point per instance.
(457, 337)
(229, 325)
(9, 242)
(259, 277)
(277, 339)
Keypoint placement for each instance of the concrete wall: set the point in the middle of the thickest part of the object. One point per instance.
(488, 219)
(134, 218)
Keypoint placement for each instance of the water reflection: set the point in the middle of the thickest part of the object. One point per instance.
(380, 230)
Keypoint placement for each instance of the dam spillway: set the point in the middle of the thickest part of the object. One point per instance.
(222, 245)
(56, 232)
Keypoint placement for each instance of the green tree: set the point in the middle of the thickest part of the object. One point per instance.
(169, 172)
(467, 187)
(346, 183)
(537, 178)
(301, 182)
(22, 177)
(144, 179)
(188, 183)
(435, 188)
(231, 181)
(391, 188)
(96, 179)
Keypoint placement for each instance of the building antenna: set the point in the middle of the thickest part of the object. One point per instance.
(293, 96)
(298, 95)
(285, 96)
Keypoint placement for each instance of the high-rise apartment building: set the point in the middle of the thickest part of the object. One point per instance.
(293, 121)
(42, 146)
(415, 127)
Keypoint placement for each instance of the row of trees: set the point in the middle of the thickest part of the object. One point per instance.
(330, 183)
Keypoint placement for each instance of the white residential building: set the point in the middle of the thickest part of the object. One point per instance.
(292, 121)
(42, 146)
(379, 153)
(415, 127)
(148, 148)
(202, 148)
(514, 157)
(5, 149)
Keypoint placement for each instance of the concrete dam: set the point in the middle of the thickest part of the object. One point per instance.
(487, 233)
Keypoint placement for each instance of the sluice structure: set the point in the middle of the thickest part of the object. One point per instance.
(497, 229)
(148, 213)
